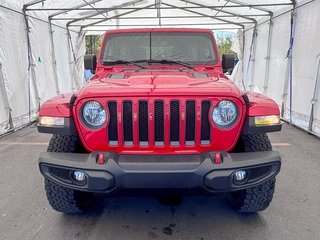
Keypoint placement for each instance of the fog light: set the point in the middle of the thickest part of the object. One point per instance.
(79, 176)
(240, 176)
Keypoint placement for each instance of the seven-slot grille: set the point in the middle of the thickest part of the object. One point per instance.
(159, 123)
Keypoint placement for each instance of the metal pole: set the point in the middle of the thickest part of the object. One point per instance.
(122, 14)
(266, 73)
(163, 17)
(76, 7)
(252, 57)
(53, 56)
(155, 25)
(221, 10)
(314, 99)
(105, 11)
(164, 8)
(31, 66)
(205, 15)
(5, 100)
(260, 8)
(288, 79)
(213, 29)
(71, 60)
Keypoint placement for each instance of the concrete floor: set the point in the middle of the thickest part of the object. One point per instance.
(293, 214)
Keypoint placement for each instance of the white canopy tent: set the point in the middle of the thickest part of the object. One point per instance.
(42, 47)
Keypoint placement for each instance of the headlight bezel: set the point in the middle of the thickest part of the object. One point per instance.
(233, 122)
(86, 122)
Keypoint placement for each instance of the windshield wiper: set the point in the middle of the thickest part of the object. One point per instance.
(168, 61)
(124, 61)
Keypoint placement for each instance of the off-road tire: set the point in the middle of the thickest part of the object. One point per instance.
(64, 199)
(257, 198)
(67, 200)
(65, 143)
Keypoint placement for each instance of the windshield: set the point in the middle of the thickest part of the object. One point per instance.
(192, 48)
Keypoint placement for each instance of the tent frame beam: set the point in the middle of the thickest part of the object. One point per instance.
(76, 7)
(221, 10)
(205, 15)
(163, 17)
(163, 8)
(96, 14)
(110, 18)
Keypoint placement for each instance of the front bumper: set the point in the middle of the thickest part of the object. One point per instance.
(159, 171)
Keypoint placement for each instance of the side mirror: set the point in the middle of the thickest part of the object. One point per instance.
(90, 62)
(228, 62)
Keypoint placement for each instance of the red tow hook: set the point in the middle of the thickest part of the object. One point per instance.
(101, 160)
(218, 158)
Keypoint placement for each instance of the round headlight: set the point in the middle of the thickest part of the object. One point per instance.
(94, 114)
(225, 114)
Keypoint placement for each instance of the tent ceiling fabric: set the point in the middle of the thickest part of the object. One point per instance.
(108, 14)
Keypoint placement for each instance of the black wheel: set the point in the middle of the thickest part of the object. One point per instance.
(257, 198)
(64, 199)
(67, 200)
(65, 143)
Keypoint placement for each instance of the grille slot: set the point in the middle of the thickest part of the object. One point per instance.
(143, 123)
(113, 123)
(127, 123)
(174, 123)
(179, 123)
(205, 123)
(159, 123)
(190, 122)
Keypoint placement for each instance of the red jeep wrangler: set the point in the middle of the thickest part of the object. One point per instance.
(159, 114)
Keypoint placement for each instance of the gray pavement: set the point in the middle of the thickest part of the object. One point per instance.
(293, 214)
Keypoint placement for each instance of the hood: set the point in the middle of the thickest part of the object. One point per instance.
(159, 83)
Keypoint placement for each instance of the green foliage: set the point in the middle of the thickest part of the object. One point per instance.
(93, 43)
(224, 41)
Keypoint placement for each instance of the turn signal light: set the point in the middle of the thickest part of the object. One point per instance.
(267, 120)
(51, 121)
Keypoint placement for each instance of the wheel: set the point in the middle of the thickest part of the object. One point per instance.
(67, 200)
(60, 198)
(65, 143)
(256, 198)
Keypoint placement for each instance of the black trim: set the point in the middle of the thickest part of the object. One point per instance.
(68, 128)
(246, 100)
(160, 171)
(72, 100)
(250, 127)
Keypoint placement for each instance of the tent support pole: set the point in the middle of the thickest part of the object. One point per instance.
(266, 73)
(5, 100)
(31, 64)
(289, 75)
(314, 99)
(53, 56)
(71, 60)
(252, 57)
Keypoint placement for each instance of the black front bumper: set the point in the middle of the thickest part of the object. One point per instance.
(159, 171)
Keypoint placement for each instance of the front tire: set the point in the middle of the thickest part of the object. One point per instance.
(256, 198)
(67, 200)
(60, 198)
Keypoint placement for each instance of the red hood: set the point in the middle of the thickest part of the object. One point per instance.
(159, 83)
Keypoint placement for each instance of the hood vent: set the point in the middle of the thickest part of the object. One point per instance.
(117, 76)
(200, 75)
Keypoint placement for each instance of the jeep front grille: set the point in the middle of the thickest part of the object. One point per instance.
(159, 123)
